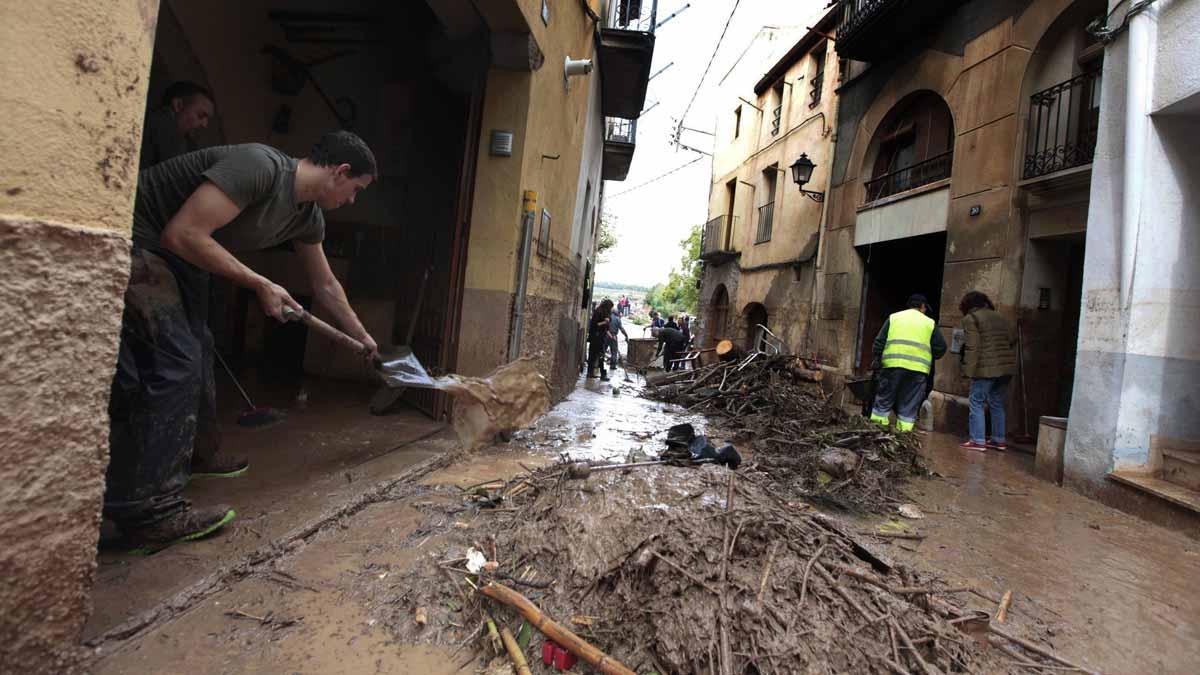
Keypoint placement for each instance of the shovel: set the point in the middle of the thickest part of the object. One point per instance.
(400, 370)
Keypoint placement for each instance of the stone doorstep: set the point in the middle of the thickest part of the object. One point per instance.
(1157, 487)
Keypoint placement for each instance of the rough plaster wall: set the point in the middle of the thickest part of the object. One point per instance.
(74, 74)
(60, 316)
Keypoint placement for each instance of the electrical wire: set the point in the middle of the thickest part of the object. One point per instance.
(683, 117)
(656, 178)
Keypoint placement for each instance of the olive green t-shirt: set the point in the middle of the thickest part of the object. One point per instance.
(258, 178)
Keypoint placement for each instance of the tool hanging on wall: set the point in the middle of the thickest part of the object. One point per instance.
(289, 75)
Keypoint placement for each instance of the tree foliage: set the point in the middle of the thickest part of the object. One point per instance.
(681, 293)
(606, 238)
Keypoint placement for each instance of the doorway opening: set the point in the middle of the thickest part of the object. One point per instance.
(894, 270)
(755, 318)
(718, 316)
(409, 81)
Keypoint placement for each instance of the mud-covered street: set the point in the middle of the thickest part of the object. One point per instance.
(1097, 587)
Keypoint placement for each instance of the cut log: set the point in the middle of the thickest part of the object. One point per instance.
(806, 374)
(727, 351)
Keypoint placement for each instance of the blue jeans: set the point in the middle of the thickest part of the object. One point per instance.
(989, 392)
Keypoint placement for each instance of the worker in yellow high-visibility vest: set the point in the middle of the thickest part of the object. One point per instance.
(905, 350)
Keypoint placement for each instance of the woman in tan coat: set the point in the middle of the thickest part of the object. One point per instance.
(989, 358)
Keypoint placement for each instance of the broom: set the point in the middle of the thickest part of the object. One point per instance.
(253, 416)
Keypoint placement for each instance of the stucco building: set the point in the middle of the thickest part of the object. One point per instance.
(986, 145)
(493, 155)
(760, 244)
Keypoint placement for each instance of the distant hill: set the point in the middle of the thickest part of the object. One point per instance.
(616, 286)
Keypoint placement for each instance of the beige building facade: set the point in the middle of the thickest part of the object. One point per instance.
(492, 159)
(761, 242)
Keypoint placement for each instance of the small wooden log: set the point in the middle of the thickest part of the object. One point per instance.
(727, 351)
(554, 630)
(1002, 610)
(514, 652)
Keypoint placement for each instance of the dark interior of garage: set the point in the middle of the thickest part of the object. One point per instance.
(894, 271)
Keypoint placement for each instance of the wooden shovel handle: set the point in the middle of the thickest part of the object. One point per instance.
(327, 330)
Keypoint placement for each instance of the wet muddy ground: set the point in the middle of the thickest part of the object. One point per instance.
(1111, 591)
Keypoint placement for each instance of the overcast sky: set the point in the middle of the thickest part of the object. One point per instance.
(650, 221)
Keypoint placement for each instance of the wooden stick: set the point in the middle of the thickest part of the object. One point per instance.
(726, 649)
(1002, 610)
(514, 652)
(1036, 649)
(554, 630)
(896, 535)
(916, 590)
(808, 568)
(844, 593)
(694, 579)
(762, 586)
(925, 665)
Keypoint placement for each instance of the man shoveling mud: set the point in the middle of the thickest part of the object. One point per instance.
(192, 214)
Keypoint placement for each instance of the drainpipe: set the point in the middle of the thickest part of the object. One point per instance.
(529, 210)
(1139, 83)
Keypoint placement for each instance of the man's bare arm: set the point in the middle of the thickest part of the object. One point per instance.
(189, 235)
(329, 294)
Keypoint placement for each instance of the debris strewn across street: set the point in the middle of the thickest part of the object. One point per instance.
(796, 436)
(673, 569)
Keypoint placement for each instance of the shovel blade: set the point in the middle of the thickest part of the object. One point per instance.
(402, 369)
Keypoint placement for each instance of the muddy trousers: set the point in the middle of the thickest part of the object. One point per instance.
(596, 349)
(900, 390)
(163, 401)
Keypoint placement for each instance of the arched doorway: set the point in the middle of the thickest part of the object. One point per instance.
(718, 316)
(755, 316)
(913, 146)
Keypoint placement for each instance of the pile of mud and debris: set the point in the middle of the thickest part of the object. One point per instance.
(671, 569)
(774, 405)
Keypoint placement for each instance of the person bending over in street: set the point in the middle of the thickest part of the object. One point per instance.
(598, 338)
(905, 349)
(671, 344)
(615, 327)
(186, 108)
(191, 214)
(989, 358)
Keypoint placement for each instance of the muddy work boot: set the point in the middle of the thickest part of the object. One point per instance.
(184, 525)
(218, 465)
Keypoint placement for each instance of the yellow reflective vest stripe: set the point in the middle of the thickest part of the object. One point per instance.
(908, 340)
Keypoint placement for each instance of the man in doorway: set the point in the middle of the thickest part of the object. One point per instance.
(191, 214)
(186, 108)
(905, 349)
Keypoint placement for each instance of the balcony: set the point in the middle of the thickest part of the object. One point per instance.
(620, 136)
(625, 52)
(716, 241)
(766, 218)
(1062, 127)
(871, 29)
(910, 177)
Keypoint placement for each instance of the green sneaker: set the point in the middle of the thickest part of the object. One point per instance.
(186, 525)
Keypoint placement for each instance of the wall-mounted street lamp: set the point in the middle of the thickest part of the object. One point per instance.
(802, 170)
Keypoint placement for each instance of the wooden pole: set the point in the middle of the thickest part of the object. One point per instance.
(554, 630)
(514, 652)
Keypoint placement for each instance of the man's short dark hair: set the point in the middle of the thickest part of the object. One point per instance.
(916, 300)
(974, 300)
(345, 147)
(184, 89)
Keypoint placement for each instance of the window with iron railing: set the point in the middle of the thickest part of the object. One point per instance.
(766, 222)
(910, 177)
(717, 234)
(1063, 125)
(818, 78)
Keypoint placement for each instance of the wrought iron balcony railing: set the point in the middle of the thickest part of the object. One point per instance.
(922, 173)
(638, 15)
(766, 218)
(858, 12)
(620, 130)
(716, 236)
(1062, 128)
